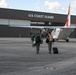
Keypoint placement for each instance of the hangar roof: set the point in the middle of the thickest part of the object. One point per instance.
(6, 13)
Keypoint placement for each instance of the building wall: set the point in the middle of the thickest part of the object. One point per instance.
(12, 21)
(14, 28)
(4, 30)
(7, 31)
(19, 32)
(73, 34)
(18, 23)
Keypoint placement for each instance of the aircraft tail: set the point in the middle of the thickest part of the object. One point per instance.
(68, 18)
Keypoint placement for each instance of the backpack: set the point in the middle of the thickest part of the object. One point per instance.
(38, 39)
(47, 40)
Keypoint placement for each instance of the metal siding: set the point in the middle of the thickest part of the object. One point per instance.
(19, 32)
(73, 34)
(19, 23)
(4, 31)
(73, 19)
(23, 15)
(4, 21)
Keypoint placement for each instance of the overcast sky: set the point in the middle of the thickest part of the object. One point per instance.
(50, 6)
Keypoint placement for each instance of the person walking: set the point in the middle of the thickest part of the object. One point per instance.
(38, 42)
(49, 40)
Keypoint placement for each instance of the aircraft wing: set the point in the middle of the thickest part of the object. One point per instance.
(47, 27)
(40, 27)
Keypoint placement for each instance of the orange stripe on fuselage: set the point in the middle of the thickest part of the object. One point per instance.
(67, 22)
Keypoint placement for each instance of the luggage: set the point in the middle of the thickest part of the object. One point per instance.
(55, 50)
(47, 40)
(33, 43)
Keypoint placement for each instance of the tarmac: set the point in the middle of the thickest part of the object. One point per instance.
(18, 57)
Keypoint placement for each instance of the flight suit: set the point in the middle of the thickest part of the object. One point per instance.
(37, 48)
(50, 42)
(38, 42)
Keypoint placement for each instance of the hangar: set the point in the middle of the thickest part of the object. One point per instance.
(12, 19)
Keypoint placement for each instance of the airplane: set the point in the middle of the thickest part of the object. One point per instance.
(58, 32)
(63, 33)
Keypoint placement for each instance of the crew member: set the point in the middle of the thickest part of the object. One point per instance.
(38, 42)
(49, 40)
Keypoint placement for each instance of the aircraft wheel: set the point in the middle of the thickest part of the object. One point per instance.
(53, 40)
(67, 40)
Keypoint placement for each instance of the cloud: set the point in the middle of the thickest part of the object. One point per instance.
(73, 7)
(73, 3)
(52, 5)
(3, 3)
(56, 7)
(37, 6)
(60, 8)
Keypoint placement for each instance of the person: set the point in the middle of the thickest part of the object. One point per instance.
(32, 37)
(49, 40)
(38, 42)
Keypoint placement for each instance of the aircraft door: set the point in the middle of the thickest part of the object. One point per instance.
(55, 33)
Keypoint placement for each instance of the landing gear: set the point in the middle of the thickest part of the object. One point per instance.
(67, 40)
(53, 40)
